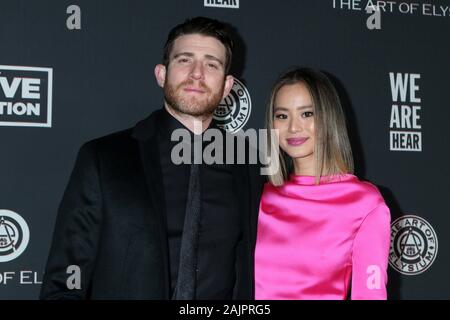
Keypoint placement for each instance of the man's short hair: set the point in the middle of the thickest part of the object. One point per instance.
(206, 27)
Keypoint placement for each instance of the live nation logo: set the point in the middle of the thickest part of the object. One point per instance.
(26, 96)
(405, 128)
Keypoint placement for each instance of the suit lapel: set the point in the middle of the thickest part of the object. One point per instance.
(146, 133)
(256, 182)
(249, 185)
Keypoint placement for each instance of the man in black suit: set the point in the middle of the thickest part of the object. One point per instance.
(121, 221)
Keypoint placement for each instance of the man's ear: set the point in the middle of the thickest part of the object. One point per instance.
(160, 74)
(229, 81)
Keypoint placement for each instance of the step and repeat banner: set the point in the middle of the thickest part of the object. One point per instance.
(71, 71)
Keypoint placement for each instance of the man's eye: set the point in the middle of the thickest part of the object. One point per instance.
(213, 66)
(280, 116)
(183, 60)
(307, 114)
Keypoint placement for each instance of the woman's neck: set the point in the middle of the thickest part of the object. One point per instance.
(304, 167)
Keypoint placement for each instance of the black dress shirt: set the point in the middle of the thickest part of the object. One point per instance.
(220, 227)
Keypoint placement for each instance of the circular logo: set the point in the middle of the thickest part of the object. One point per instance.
(14, 235)
(414, 245)
(234, 110)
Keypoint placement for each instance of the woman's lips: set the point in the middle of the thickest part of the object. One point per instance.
(296, 141)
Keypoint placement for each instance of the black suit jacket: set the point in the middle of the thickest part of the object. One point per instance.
(112, 222)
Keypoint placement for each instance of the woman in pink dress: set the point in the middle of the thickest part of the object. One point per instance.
(322, 232)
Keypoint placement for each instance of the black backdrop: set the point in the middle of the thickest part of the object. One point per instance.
(84, 82)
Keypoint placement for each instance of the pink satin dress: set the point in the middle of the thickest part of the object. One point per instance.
(320, 241)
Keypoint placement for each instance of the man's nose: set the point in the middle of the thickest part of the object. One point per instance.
(197, 71)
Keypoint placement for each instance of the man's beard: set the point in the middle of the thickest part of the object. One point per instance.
(191, 105)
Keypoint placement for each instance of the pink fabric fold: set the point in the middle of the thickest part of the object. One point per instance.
(318, 241)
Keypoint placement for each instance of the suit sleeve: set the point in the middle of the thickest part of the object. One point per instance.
(76, 233)
(370, 256)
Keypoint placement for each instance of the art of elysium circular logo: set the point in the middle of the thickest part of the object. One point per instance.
(414, 245)
(234, 110)
(14, 235)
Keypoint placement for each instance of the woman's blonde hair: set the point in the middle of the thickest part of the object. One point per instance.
(332, 150)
